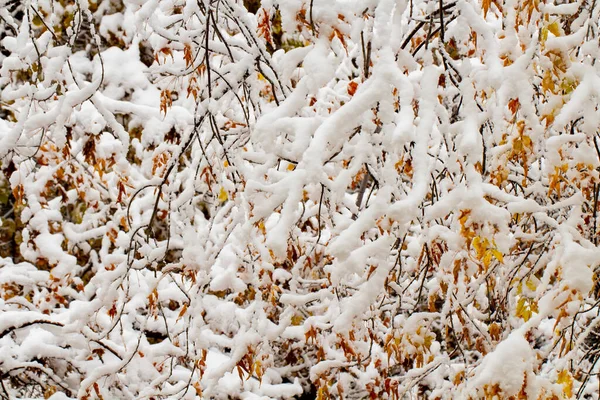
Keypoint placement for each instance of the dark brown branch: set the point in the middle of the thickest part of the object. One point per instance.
(26, 324)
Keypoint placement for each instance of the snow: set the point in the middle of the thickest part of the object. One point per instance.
(373, 208)
(509, 366)
(122, 71)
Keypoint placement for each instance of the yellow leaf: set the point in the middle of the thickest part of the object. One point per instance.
(427, 341)
(323, 393)
(533, 306)
(498, 256)
(258, 370)
(464, 216)
(487, 259)
(518, 145)
(549, 119)
(223, 196)
(523, 310)
(261, 227)
(544, 34)
(566, 380)
(398, 167)
(554, 29)
(478, 246)
(568, 85)
(297, 320)
(476, 242)
(548, 83)
(530, 284)
(481, 246)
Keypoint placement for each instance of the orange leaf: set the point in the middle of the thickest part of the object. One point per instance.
(485, 6)
(352, 86)
(513, 105)
(183, 310)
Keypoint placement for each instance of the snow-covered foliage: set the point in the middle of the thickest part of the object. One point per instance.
(282, 198)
